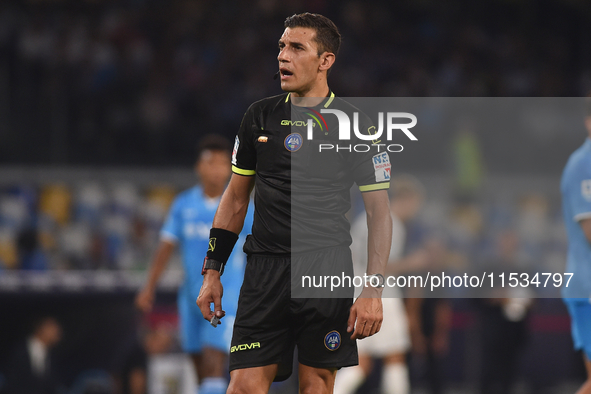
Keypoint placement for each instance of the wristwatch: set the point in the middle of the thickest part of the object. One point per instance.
(211, 264)
(376, 280)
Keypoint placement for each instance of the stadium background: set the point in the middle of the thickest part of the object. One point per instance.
(102, 103)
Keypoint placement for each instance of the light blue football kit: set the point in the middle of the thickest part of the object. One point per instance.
(188, 224)
(576, 203)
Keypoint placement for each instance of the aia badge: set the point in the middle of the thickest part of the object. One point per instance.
(293, 142)
(332, 340)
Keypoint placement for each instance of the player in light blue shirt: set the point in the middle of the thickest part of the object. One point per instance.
(576, 203)
(187, 226)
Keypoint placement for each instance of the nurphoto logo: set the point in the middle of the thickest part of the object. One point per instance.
(371, 134)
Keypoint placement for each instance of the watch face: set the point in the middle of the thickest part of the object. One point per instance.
(376, 280)
(210, 264)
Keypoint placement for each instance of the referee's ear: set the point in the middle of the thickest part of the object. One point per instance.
(327, 59)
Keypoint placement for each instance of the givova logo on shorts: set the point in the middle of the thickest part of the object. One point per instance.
(246, 346)
(332, 340)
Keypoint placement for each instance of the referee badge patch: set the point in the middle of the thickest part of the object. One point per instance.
(293, 142)
(332, 340)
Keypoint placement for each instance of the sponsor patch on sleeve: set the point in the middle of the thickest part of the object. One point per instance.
(235, 150)
(381, 165)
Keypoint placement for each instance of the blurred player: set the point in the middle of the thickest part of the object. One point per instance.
(188, 224)
(393, 340)
(576, 204)
(269, 322)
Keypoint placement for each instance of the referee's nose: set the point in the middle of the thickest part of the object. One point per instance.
(282, 57)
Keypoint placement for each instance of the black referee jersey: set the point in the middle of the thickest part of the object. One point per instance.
(302, 192)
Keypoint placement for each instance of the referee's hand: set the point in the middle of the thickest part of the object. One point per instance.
(365, 317)
(211, 293)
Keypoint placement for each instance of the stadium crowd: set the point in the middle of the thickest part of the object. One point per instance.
(133, 82)
(90, 226)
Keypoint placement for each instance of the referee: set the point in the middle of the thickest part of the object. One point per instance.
(576, 206)
(297, 227)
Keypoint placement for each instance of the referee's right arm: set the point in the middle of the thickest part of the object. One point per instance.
(234, 204)
(229, 216)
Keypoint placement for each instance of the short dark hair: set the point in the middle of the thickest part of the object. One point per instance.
(327, 37)
(213, 142)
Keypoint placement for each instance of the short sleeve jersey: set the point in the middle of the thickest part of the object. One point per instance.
(576, 204)
(302, 186)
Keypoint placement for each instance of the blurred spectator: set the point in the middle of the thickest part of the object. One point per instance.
(32, 367)
(430, 324)
(430, 318)
(8, 250)
(468, 163)
(532, 224)
(30, 255)
(132, 364)
(503, 320)
(55, 203)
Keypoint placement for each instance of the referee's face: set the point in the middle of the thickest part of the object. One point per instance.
(299, 63)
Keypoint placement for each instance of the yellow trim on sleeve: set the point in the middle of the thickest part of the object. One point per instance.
(240, 171)
(376, 186)
(329, 100)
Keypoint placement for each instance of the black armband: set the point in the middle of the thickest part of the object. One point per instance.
(221, 243)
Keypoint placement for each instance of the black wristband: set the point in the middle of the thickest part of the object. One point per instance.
(221, 243)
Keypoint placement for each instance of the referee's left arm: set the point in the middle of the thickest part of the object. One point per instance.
(379, 225)
(366, 313)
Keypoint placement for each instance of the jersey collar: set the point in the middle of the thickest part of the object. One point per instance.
(325, 103)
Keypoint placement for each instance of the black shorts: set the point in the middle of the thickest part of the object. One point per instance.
(269, 323)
